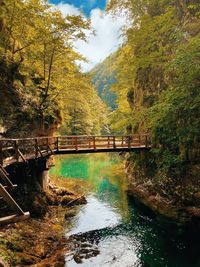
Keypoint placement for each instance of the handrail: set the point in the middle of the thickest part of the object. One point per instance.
(64, 136)
(22, 149)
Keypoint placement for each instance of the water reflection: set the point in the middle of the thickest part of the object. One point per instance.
(124, 235)
(100, 174)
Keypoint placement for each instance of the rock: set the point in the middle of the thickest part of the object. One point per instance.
(39, 206)
(95, 252)
(27, 260)
(66, 199)
(60, 191)
(77, 258)
(84, 251)
(69, 214)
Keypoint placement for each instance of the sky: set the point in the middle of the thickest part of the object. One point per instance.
(107, 28)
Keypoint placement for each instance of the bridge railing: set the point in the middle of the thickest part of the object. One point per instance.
(17, 150)
(100, 142)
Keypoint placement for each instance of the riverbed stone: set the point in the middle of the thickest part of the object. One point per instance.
(77, 258)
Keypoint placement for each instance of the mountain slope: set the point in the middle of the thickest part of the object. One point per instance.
(103, 77)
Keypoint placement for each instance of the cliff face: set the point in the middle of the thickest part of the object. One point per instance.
(18, 116)
(176, 197)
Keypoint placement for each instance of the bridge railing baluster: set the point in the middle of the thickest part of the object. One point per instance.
(114, 143)
(57, 143)
(1, 153)
(13, 150)
(94, 143)
(89, 142)
(76, 143)
(47, 145)
(16, 150)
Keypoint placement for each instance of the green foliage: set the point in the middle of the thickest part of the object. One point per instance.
(103, 77)
(161, 77)
(37, 62)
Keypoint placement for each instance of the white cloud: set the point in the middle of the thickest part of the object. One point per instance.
(67, 9)
(106, 40)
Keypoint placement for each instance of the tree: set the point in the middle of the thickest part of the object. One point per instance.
(39, 61)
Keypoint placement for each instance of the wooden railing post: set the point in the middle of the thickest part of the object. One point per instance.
(16, 150)
(122, 141)
(108, 141)
(76, 143)
(94, 143)
(114, 143)
(1, 153)
(47, 143)
(10, 201)
(57, 143)
(89, 141)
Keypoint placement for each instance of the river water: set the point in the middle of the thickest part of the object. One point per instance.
(112, 229)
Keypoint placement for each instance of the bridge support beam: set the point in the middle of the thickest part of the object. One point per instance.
(44, 180)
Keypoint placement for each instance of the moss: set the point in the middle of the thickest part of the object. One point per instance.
(168, 195)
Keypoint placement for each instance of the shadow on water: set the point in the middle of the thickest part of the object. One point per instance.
(114, 229)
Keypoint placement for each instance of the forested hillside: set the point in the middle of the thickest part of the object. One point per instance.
(158, 92)
(158, 72)
(41, 87)
(103, 78)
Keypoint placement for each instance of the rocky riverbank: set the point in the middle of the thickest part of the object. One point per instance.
(41, 241)
(177, 199)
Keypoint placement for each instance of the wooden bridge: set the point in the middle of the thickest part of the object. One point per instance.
(16, 151)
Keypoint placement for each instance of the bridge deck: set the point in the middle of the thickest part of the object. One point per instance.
(24, 149)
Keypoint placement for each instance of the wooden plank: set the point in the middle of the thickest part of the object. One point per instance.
(5, 172)
(5, 178)
(43, 145)
(10, 201)
(40, 152)
(8, 187)
(16, 150)
(21, 155)
(14, 218)
(49, 148)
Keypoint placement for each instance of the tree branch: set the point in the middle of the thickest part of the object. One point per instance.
(49, 77)
(21, 48)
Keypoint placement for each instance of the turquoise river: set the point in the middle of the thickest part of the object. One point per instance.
(119, 231)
